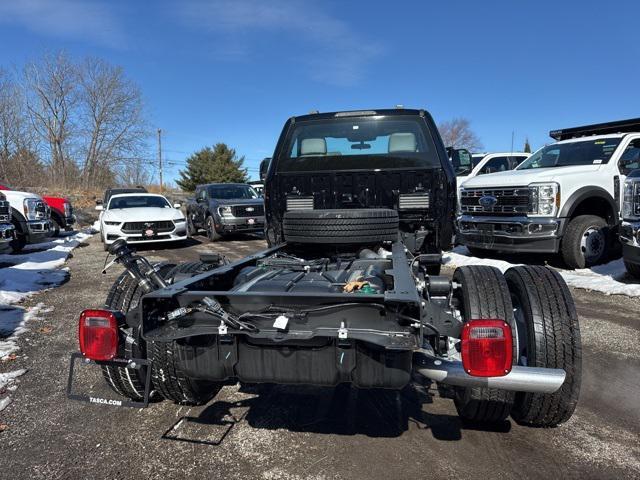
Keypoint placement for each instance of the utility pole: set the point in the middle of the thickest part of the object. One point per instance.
(160, 156)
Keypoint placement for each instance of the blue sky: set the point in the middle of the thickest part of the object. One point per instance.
(234, 70)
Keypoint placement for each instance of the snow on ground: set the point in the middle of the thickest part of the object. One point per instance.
(36, 269)
(608, 278)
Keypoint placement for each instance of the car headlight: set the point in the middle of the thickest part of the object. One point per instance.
(544, 199)
(113, 224)
(225, 211)
(34, 209)
(179, 220)
(67, 209)
(631, 199)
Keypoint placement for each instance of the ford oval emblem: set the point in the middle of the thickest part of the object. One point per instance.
(249, 209)
(488, 201)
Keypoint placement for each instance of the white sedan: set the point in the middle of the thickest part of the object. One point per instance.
(141, 218)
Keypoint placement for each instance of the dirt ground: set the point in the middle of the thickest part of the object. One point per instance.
(276, 432)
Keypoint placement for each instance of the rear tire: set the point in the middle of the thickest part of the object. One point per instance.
(123, 296)
(358, 226)
(585, 242)
(548, 336)
(633, 269)
(483, 293)
(166, 372)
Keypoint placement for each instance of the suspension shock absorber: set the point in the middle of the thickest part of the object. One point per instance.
(148, 278)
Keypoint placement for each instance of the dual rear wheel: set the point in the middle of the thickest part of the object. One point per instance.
(536, 302)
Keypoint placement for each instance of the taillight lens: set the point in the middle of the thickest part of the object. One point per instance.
(487, 348)
(98, 334)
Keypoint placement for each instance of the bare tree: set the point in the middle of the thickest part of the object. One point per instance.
(111, 123)
(457, 133)
(19, 161)
(51, 98)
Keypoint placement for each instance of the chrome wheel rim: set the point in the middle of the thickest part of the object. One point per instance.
(592, 244)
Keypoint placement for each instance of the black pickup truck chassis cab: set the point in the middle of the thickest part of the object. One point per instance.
(359, 307)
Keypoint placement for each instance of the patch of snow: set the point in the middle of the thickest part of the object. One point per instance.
(12, 324)
(607, 278)
(6, 380)
(96, 226)
(36, 269)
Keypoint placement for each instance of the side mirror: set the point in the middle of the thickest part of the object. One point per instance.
(264, 166)
(459, 156)
(99, 208)
(177, 205)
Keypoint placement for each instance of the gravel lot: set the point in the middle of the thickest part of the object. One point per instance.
(277, 432)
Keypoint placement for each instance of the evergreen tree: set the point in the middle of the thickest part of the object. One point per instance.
(527, 147)
(219, 164)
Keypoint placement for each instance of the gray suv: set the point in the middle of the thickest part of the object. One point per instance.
(225, 208)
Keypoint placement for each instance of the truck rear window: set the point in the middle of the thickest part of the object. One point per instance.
(358, 143)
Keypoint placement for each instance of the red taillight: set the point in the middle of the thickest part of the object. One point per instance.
(98, 334)
(487, 348)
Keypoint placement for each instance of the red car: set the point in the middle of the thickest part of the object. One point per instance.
(61, 212)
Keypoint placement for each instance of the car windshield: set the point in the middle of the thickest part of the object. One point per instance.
(231, 192)
(141, 201)
(358, 143)
(587, 152)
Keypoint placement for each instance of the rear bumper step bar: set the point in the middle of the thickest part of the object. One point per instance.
(520, 379)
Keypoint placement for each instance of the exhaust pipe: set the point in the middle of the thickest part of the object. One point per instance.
(520, 379)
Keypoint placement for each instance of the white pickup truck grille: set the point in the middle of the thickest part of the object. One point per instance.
(508, 201)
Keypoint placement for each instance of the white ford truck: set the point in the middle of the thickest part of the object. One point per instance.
(565, 198)
(30, 216)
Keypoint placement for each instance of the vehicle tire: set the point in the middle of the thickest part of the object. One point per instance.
(359, 226)
(483, 293)
(191, 228)
(585, 241)
(20, 240)
(166, 373)
(212, 234)
(633, 269)
(57, 227)
(548, 336)
(123, 296)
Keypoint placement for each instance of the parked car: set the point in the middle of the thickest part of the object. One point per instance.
(62, 217)
(630, 228)
(7, 230)
(30, 216)
(224, 208)
(109, 192)
(484, 163)
(341, 300)
(141, 218)
(565, 198)
(258, 186)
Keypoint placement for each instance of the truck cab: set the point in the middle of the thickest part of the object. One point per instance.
(390, 159)
(565, 198)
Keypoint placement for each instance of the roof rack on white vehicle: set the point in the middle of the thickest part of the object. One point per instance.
(619, 126)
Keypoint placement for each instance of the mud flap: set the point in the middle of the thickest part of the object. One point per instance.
(134, 363)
